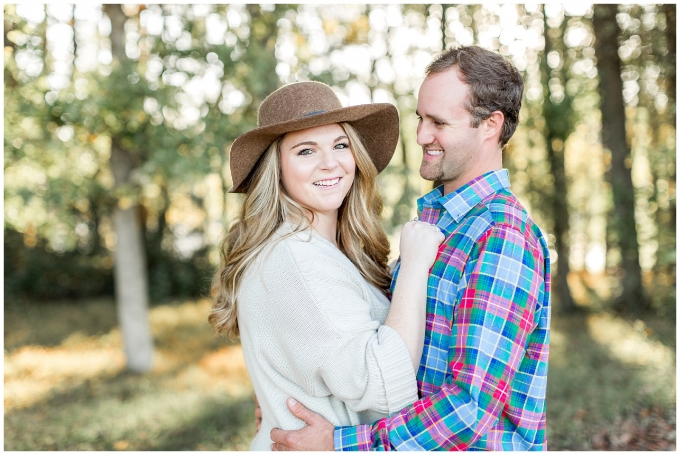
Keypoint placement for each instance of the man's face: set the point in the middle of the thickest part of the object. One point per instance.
(450, 144)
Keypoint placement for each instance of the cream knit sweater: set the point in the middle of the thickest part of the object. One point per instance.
(312, 329)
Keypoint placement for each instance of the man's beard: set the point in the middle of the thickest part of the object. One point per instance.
(431, 172)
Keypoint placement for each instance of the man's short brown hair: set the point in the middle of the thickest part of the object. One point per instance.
(495, 84)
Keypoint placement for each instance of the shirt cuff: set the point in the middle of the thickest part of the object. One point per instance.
(352, 438)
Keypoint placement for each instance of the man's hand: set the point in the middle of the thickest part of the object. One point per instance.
(317, 435)
(258, 414)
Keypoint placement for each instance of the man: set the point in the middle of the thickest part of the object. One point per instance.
(483, 374)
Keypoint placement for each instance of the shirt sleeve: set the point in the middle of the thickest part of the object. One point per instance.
(494, 317)
(321, 324)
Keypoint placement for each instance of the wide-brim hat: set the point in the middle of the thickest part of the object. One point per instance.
(304, 105)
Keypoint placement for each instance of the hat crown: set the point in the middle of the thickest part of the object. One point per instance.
(297, 101)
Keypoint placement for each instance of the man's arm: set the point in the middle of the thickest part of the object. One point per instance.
(492, 323)
(493, 320)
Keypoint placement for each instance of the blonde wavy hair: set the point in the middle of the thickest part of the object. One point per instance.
(360, 236)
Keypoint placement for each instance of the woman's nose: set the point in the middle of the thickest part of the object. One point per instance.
(328, 160)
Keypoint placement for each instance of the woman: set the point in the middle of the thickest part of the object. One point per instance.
(304, 277)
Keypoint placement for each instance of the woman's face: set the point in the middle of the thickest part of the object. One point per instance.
(317, 167)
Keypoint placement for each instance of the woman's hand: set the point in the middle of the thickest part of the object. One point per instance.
(419, 243)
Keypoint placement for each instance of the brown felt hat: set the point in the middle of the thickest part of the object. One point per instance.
(304, 105)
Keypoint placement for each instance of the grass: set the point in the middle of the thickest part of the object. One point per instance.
(66, 387)
(611, 382)
(603, 371)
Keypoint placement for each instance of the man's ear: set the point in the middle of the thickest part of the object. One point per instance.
(494, 125)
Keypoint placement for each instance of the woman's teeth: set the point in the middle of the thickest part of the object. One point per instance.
(330, 182)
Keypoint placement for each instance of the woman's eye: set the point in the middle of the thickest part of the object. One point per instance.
(305, 152)
(342, 145)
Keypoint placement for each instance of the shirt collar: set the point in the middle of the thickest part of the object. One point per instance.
(461, 201)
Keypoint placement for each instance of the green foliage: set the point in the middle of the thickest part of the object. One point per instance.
(47, 275)
(170, 276)
(41, 273)
(58, 181)
(59, 188)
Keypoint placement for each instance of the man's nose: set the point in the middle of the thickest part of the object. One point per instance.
(424, 136)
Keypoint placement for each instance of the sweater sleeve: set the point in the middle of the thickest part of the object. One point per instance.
(323, 337)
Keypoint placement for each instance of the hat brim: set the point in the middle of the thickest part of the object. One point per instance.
(377, 125)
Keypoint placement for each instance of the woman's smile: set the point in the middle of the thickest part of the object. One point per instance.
(329, 183)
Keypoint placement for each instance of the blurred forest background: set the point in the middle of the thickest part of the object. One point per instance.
(118, 121)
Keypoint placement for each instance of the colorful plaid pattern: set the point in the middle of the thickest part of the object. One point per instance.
(483, 374)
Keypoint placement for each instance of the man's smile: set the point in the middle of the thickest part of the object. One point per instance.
(434, 152)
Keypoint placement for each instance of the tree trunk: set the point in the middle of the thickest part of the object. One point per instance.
(73, 26)
(444, 25)
(622, 227)
(670, 11)
(130, 269)
(10, 82)
(262, 45)
(558, 128)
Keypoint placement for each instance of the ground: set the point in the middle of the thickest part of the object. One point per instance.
(611, 382)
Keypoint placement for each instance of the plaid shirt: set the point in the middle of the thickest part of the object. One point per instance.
(484, 369)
